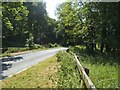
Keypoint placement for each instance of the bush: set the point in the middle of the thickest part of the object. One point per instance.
(29, 42)
(56, 45)
(5, 55)
(19, 49)
(37, 46)
(16, 49)
(50, 45)
(59, 56)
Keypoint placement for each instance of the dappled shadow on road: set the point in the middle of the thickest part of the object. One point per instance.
(11, 58)
(6, 66)
(7, 62)
(3, 77)
(1, 71)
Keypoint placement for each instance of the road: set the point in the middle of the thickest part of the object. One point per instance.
(19, 63)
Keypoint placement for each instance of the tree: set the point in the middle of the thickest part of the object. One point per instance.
(14, 17)
(90, 23)
(69, 25)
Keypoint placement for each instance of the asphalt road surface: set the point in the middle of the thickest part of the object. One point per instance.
(16, 64)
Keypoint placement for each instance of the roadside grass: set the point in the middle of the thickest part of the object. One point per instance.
(5, 55)
(42, 75)
(102, 75)
(103, 68)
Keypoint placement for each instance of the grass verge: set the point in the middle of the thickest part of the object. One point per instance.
(42, 75)
(103, 68)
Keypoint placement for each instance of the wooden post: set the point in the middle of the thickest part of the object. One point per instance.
(86, 70)
(84, 74)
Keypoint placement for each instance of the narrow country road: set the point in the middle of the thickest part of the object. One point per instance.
(19, 63)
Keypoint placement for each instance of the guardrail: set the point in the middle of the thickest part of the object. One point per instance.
(84, 75)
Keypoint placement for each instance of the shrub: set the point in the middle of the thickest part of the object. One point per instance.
(30, 42)
(16, 49)
(59, 56)
(5, 54)
(56, 45)
(37, 46)
(50, 45)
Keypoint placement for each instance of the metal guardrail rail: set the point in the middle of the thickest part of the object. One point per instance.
(87, 81)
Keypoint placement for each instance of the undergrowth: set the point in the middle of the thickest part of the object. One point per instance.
(68, 74)
(103, 67)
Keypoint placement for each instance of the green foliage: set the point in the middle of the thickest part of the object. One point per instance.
(20, 49)
(39, 24)
(5, 55)
(14, 18)
(69, 24)
(77, 48)
(89, 24)
(22, 18)
(50, 45)
(37, 46)
(78, 23)
(68, 75)
(16, 49)
(30, 42)
(59, 56)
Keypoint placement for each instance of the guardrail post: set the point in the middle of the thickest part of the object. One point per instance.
(84, 73)
(87, 70)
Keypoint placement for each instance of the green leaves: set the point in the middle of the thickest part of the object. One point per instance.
(14, 17)
(8, 23)
(91, 22)
(30, 42)
(20, 19)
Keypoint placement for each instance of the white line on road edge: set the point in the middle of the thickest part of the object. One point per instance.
(21, 71)
(18, 72)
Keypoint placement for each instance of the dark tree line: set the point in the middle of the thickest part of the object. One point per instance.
(93, 24)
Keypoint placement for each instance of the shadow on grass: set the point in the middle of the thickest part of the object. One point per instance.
(96, 57)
